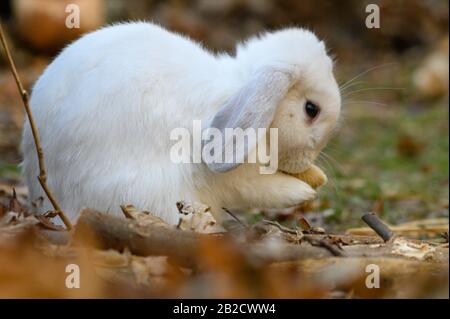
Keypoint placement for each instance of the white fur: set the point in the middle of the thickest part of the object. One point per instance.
(106, 105)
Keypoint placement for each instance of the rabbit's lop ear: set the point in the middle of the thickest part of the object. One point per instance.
(251, 108)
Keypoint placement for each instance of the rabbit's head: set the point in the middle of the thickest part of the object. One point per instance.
(289, 86)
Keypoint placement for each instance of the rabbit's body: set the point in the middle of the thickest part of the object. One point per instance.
(105, 108)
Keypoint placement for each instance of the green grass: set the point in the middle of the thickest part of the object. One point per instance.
(9, 171)
(370, 167)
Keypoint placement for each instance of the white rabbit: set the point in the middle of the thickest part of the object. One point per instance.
(106, 105)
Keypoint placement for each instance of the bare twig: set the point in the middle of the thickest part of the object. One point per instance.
(378, 226)
(281, 227)
(320, 242)
(226, 210)
(325, 243)
(40, 154)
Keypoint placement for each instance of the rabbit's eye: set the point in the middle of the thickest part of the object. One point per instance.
(311, 109)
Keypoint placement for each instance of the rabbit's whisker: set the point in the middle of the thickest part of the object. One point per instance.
(344, 85)
(332, 160)
(322, 160)
(343, 90)
(373, 89)
(365, 102)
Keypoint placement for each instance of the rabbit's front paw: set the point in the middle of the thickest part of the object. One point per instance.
(297, 192)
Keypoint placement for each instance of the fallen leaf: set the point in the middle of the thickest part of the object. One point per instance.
(143, 218)
(15, 205)
(408, 146)
(197, 217)
(411, 249)
(45, 222)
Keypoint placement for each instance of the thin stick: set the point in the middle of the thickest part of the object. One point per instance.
(226, 210)
(40, 154)
(321, 242)
(281, 227)
(378, 226)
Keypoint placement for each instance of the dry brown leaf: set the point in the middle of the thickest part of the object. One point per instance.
(144, 268)
(15, 205)
(111, 258)
(197, 217)
(45, 222)
(412, 249)
(409, 146)
(8, 189)
(143, 218)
